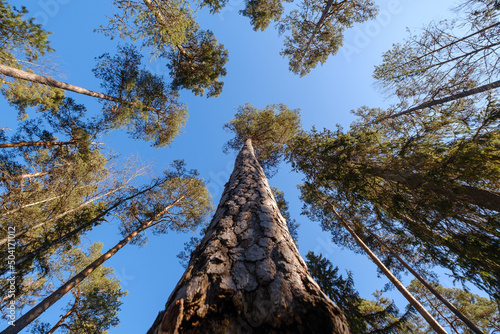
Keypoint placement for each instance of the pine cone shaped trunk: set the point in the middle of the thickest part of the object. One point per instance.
(247, 276)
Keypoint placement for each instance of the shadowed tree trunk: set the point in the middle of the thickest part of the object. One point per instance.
(247, 276)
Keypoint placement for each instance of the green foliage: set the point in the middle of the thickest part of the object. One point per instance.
(270, 129)
(96, 301)
(428, 183)
(363, 316)
(262, 13)
(22, 44)
(168, 30)
(20, 37)
(149, 110)
(315, 30)
(481, 311)
(182, 192)
(198, 63)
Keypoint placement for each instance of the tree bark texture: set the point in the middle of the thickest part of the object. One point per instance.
(247, 276)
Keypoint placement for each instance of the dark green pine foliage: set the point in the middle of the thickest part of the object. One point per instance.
(23, 44)
(168, 30)
(429, 184)
(95, 303)
(261, 13)
(198, 63)
(315, 30)
(271, 130)
(363, 316)
(150, 109)
(481, 311)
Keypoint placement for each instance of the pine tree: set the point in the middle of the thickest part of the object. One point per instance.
(480, 310)
(95, 303)
(180, 204)
(433, 196)
(363, 316)
(247, 274)
(168, 28)
(316, 30)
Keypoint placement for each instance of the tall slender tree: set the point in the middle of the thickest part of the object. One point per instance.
(179, 204)
(480, 310)
(411, 181)
(95, 303)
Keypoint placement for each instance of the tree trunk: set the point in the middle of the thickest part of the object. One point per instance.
(450, 98)
(429, 287)
(484, 198)
(414, 302)
(320, 22)
(41, 307)
(64, 317)
(77, 230)
(22, 176)
(37, 143)
(247, 275)
(61, 215)
(23, 75)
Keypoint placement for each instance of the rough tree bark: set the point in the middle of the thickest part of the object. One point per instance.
(247, 276)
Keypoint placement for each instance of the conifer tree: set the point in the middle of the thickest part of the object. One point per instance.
(480, 310)
(180, 204)
(169, 30)
(95, 303)
(363, 316)
(246, 274)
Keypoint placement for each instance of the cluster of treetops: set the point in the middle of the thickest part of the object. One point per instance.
(420, 178)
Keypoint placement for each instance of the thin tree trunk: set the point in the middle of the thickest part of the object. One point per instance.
(440, 297)
(64, 317)
(38, 143)
(447, 45)
(23, 75)
(441, 314)
(484, 198)
(68, 235)
(322, 19)
(247, 274)
(453, 97)
(61, 215)
(414, 302)
(23, 176)
(41, 307)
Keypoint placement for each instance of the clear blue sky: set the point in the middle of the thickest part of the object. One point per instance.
(256, 74)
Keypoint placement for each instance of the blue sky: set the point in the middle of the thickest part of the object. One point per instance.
(256, 74)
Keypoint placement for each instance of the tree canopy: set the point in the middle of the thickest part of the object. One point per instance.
(271, 129)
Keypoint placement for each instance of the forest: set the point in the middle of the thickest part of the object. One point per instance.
(259, 166)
